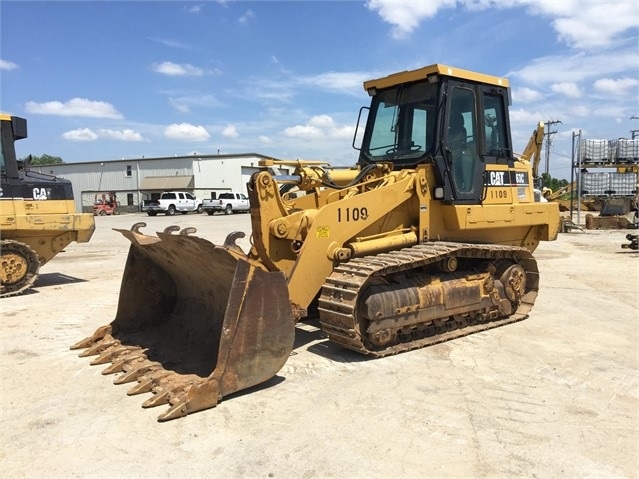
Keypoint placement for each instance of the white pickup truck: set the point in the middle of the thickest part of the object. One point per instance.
(229, 203)
(172, 201)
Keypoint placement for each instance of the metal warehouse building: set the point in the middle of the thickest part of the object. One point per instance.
(136, 180)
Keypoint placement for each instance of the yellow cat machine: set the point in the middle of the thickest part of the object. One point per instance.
(429, 237)
(37, 215)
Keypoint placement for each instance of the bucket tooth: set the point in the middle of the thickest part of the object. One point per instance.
(99, 348)
(101, 333)
(115, 367)
(112, 353)
(134, 374)
(120, 364)
(145, 385)
(136, 226)
(196, 397)
(177, 410)
(159, 398)
(171, 229)
(85, 343)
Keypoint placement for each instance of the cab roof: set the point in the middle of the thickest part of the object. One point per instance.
(431, 70)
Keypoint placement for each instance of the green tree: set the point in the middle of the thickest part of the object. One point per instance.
(553, 183)
(44, 160)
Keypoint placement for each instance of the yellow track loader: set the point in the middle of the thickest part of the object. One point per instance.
(37, 215)
(429, 237)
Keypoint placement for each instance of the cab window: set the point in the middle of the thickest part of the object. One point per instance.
(496, 140)
(401, 127)
(462, 137)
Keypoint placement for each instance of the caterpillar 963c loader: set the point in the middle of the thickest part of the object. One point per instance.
(428, 238)
(37, 215)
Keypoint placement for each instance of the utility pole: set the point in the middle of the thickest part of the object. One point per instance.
(548, 140)
(634, 132)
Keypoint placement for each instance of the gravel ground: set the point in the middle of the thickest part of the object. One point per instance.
(553, 396)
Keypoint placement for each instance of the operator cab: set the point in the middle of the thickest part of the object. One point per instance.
(12, 128)
(17, 180)
(454, 119)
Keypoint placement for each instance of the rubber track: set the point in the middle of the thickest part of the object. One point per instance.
(340, 293)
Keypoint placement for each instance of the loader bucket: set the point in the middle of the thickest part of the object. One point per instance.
(195, 322)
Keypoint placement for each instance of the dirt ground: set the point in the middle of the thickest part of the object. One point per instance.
(553, 396)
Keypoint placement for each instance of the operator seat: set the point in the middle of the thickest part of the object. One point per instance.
(463, 164)
(457, 134)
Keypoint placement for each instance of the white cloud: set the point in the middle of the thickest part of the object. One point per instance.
(265, 140)
(578, 23)
(86, 134)
(270, 91)
(186, 132)
(620, 86)
(590, 23)
(185, 103)
(580, 111)
(405, 16)
(284, 89)
(181, 107)
(176, 69)
(569, 89)
(80, 107)
(526, 95)
(7, 65)
(230, 131)
(303, 131)
(82, 134)
(526, 117)
(615, 110)
(320, 126)
(347, 82)
(246, 18)
(121, 135)
(194, 9)
(171, 43)
(577, 67)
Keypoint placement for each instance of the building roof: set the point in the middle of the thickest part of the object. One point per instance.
(201, 157)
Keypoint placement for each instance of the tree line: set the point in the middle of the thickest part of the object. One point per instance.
(553, 183)
(43, 160)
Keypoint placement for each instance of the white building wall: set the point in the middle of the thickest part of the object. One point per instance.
(212, 174)
(223, 174)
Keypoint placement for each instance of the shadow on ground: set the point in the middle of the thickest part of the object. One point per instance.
(56, 279)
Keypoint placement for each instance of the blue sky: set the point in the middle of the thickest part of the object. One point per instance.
(108, 80)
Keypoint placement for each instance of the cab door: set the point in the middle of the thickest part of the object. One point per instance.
(465, 164)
